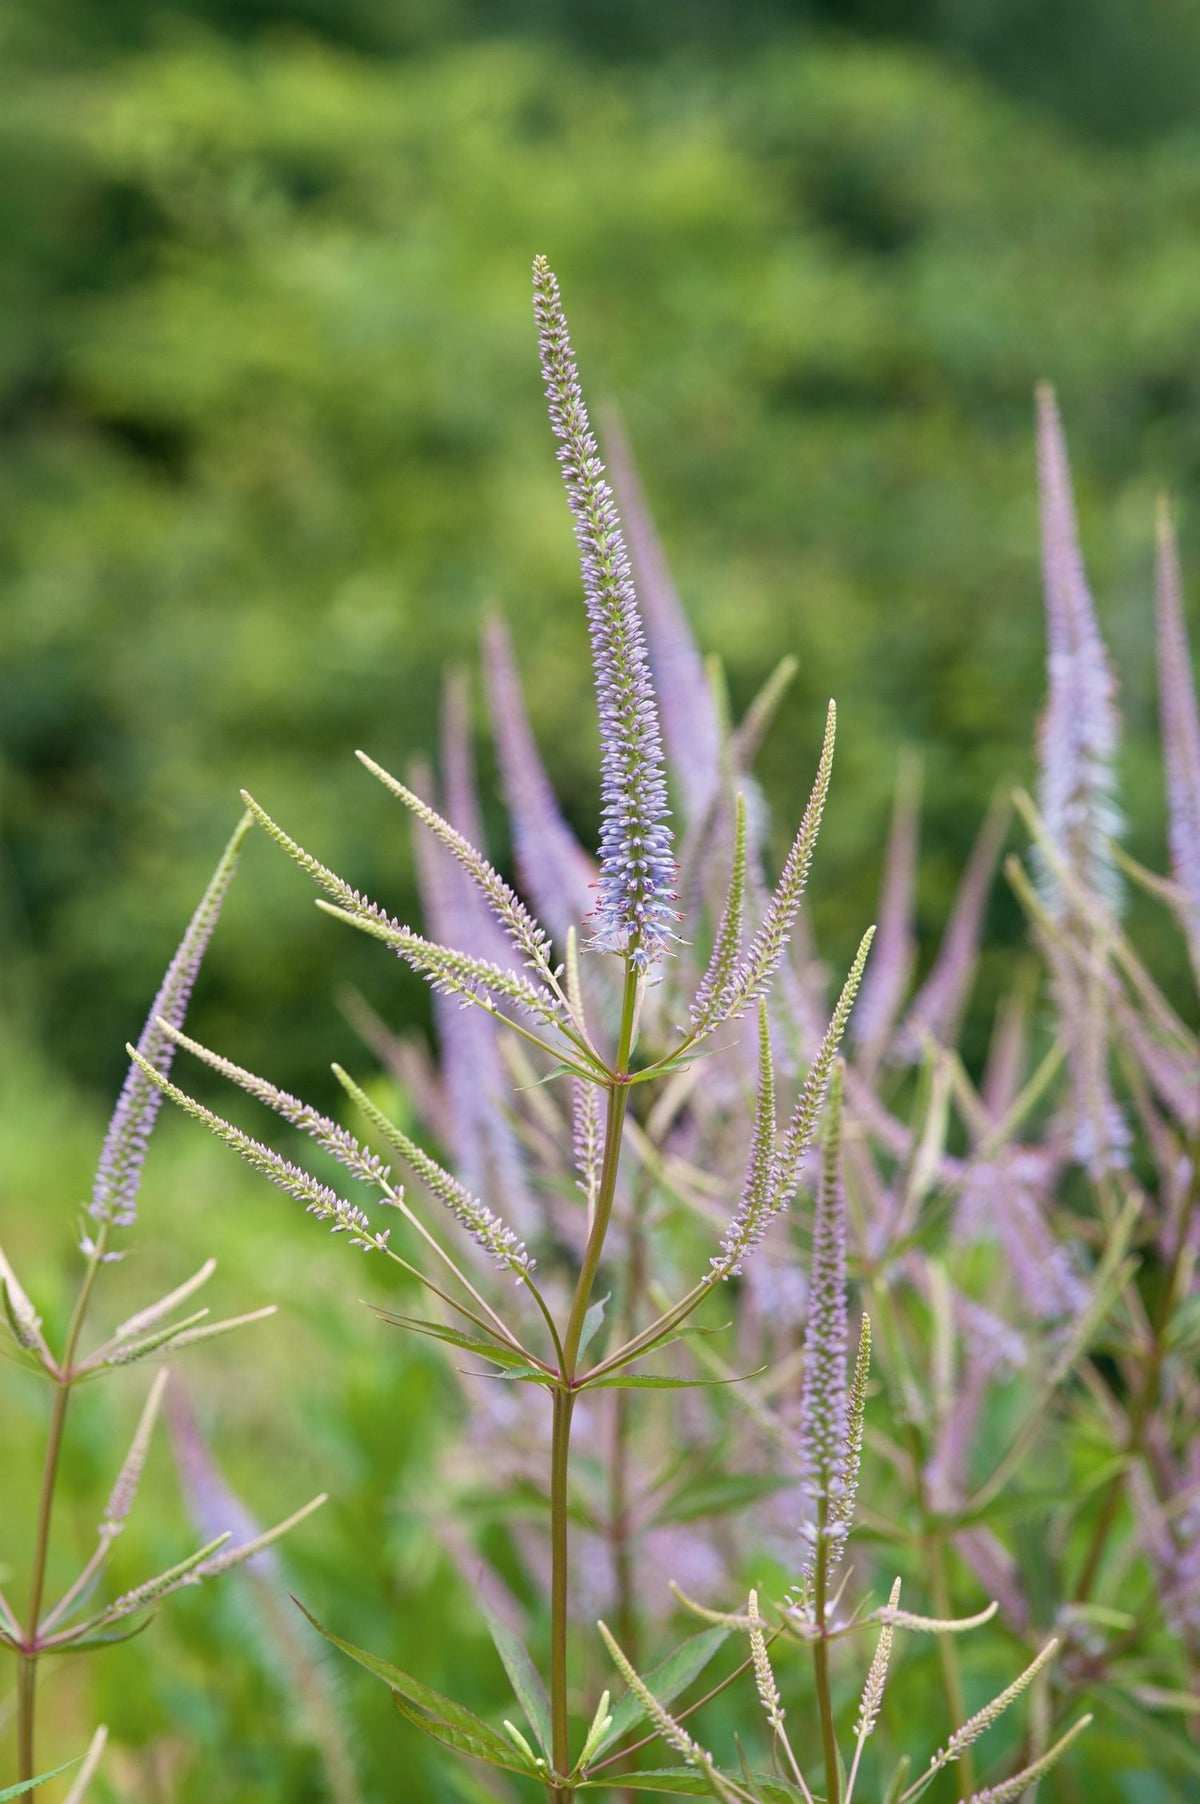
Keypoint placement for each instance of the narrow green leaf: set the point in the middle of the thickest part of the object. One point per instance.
(523, 1375)
(488, 1747)
(899, 1777)
(622, 1381)
(614, 1361)
(26, 1785)
(591, 1324)
(686, 1781)
(523, 1676)
(451, 1715)
(665, 1067)
(499, 1355)
(109, 1640)
(665, 1681)
(672, 1779)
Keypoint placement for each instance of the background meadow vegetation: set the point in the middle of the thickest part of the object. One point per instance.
(272, 439)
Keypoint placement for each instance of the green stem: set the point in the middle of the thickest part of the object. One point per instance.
(833, 1781)
(620, 1518)
(618, 1103)
(564, 1404)
(564, 1397)
(28, 1656)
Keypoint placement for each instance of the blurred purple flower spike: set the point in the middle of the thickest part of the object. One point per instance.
(1080, 727)
(482, 1143)
(691, 725)
(1180, 722)
(556, 873)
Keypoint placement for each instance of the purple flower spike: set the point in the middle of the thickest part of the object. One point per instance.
(119, 1172)
(556, 873)
(1180, 722)
(1080, 726)
(635, 911)
(691, 725)
(213, 1507)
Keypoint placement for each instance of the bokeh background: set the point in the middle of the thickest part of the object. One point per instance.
(271, 438)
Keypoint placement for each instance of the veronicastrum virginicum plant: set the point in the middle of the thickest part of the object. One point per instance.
(77, 1621)
(610, 1032)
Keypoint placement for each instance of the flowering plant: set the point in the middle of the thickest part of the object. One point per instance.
(617, 1150)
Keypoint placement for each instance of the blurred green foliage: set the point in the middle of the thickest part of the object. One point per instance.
(273, 434)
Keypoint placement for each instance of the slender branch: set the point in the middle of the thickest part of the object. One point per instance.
(564, 1404)
(618, 1103)
(28, 1653)
(833, 1782)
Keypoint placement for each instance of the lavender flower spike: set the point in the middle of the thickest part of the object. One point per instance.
(115, 1187)
(634, 913)
(556, 873)
(1077, 738)
(1180, 721)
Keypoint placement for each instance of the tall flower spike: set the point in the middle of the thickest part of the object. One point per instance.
(119, 1173)
(555, 872)
(1180, 721)
(635, 911)
(823, 1398)
(1080, 727)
